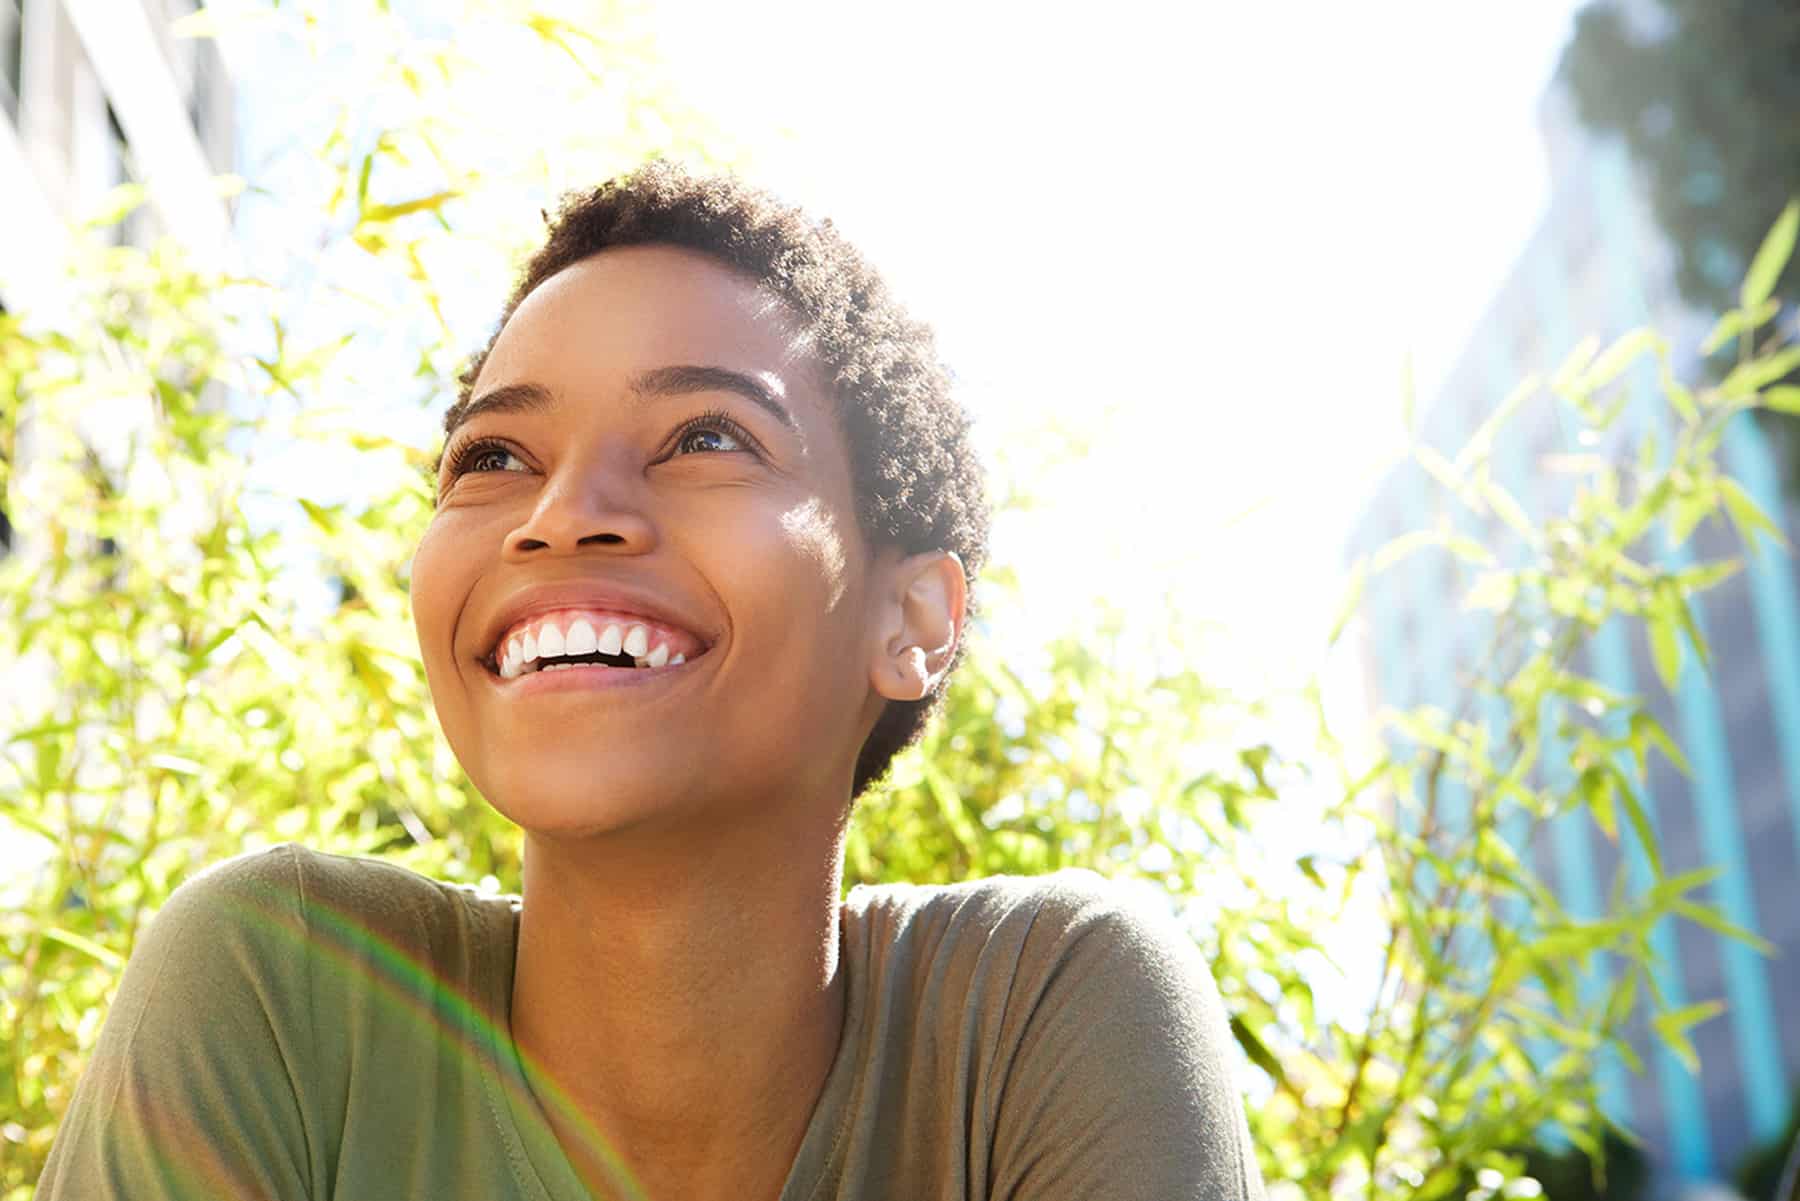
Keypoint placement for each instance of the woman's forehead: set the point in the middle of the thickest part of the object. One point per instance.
(610, 322)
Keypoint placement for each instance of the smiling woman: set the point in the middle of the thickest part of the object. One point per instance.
(699, 568)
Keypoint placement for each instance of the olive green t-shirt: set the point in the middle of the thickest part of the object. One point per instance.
(299, 1025)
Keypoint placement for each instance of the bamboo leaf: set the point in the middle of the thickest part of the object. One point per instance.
(1640, 823)
(176, 764)
(1575, 363)
(1481, 444)
(321, 516)
(1665, 646)
(1674, 1025)
(1468, 550)
(1257, 1051)
(1440, 469)
(86, 946)
(1508, 510)
(362, 181)
(1493, 590)
(1747, 515)
(1674, 887)
(1595, 787)
(1647, 732)
(1706, 575)
(1623, 1000)
(1615, 359)
(1738, 322)
(1773, 255)
(1715, 921)
(1400, 548)
(391, 212)
(1352, 601)
(47, 730)
(1684, 614)
(1686, 512)
(1783, 398)
(1759, 373)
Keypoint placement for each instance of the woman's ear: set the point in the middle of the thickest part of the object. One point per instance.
(921, 617)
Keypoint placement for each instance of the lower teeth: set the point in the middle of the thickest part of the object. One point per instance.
(640, 662)
(567, 666)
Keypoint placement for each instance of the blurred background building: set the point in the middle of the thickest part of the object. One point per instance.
(1599, 264)
(95, 94)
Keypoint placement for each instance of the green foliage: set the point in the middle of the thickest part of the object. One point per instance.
(184, 705)
(1620, 1173)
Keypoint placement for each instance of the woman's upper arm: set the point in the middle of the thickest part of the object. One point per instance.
(195, 1087)
(1121, 1085)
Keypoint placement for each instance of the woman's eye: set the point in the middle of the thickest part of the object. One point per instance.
(496, 455)
(483, 457)
(708, 438)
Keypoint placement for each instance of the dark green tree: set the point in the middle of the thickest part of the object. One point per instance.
(1765, 1170)
(1705, 93)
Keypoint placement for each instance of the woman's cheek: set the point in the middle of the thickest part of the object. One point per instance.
(432, 591)
(812, 531)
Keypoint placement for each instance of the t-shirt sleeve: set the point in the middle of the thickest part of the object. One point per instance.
(192, 1090)
(1120, 1085)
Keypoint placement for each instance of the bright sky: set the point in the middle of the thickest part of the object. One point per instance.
(1204, 236)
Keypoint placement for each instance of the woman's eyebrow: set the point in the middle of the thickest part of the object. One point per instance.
(681, 380)
(508, 398)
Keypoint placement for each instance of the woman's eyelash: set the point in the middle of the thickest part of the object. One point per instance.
(719, 421)
(468, 452)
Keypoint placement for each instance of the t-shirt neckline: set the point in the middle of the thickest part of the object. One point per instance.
(539, 1161)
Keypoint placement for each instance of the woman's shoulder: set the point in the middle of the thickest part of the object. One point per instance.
(1057, 1006)
(272, 996)
(1056, 910)
(279, 904)
(293, 876)
(1020, 942)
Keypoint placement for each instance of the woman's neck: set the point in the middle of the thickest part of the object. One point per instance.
(684, 998)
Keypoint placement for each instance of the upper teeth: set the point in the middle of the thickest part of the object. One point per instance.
(549, 640)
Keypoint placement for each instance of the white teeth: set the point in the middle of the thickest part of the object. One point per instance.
(530, 651)
(581, 640)
(550, 642)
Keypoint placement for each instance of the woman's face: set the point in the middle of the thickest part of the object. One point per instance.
(660, 475)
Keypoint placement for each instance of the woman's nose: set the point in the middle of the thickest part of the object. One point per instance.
(583, 508)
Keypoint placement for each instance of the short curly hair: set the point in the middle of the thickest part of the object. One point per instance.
(919, 485)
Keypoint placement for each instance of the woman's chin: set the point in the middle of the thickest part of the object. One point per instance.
(588, 803)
